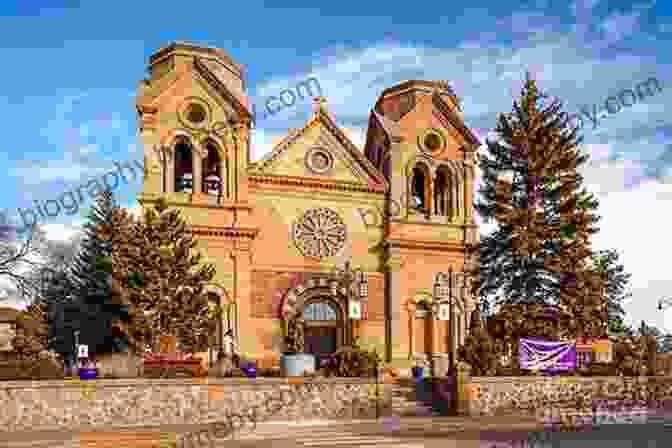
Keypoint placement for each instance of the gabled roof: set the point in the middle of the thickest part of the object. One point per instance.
(376, 178)
(203, 70)
(157, 86)
(454, 119)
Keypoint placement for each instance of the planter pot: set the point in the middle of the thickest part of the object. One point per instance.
(297, 364)
(88, 374)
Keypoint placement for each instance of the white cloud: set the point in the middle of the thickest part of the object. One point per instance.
(263, 142)
(61, 232)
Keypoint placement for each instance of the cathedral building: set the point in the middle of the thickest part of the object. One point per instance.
(359, 241)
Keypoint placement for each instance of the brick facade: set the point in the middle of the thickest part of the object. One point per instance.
(280, 227)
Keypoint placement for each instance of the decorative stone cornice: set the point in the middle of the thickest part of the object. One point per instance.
(426, 244)
(189, 49)
(228, 233)
(324, 184)
(147, 109)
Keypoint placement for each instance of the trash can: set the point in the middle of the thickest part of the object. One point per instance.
(88, 374)
(87, 369)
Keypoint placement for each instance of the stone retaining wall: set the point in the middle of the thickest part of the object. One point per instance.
(549, 398)
(44, 405)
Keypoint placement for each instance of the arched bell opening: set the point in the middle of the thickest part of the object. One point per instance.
(212, 171)
(184, 169)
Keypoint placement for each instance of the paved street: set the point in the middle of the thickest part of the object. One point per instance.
(418, 432)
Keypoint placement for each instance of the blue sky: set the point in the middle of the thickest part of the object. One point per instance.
(71, 69)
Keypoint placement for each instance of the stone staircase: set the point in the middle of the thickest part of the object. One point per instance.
(406, 402)
(412, 399)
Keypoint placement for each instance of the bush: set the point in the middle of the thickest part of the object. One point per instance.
(352, 362)
(119, 365)
(479, 350)
(46, 368)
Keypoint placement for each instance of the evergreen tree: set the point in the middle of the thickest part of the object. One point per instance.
(538, 253)
(90, 275)
(160, 277)
(607, 262)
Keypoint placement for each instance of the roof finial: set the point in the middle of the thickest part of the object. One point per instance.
(319, 104)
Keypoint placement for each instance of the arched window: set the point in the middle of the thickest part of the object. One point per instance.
(420, 188)
(442, 193)
(319, 311)
(212, 181)
(183, 167)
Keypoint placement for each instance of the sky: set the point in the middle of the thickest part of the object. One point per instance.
(71, 69)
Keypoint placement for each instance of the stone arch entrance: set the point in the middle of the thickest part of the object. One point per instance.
(327, 327)
(324, 327)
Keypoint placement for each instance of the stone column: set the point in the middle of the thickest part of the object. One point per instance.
(197, 168)
(244, 150)
(170, 169)
(247, 338)
(152, 157)
(469, 167)
(411, 331)
(393, 305)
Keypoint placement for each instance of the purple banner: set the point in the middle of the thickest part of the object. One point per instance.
(537, 354)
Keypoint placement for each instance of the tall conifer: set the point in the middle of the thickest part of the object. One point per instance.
(160, 276)
(91, 275)
(540, 251)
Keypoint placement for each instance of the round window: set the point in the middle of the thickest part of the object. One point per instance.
(433, 141)
(319, 161)
(196, 113)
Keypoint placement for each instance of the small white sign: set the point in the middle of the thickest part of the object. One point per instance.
(444, 311)
(355, 310)
(82, 351)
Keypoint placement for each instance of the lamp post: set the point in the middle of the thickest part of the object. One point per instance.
(443, 291)
(355, 282)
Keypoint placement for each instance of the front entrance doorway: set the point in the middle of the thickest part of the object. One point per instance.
(324, 327)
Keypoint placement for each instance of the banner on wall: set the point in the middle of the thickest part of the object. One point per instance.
(355, 310)
(538, 354)
(444, 311)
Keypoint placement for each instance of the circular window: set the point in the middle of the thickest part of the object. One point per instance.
(196, 113)
(319, 160)
(320, 233)
(431, 141)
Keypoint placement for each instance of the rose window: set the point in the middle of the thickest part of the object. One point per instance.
(320, 233)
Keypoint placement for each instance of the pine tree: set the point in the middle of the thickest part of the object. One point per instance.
(607, 262)
(90, 276)
(160, 276)
(538, 253)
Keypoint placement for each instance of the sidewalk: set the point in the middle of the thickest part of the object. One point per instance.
(387, 424)
(504, 423)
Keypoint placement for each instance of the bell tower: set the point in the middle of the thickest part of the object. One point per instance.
(417, 138)
(194, 123)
